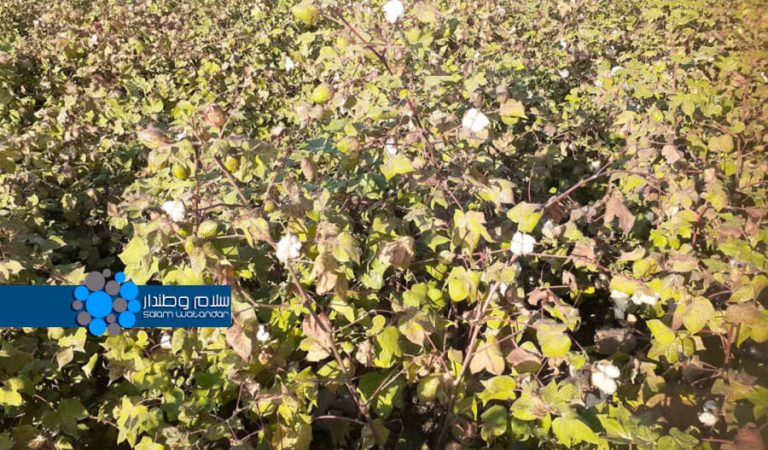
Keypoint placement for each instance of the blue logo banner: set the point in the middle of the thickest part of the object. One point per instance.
(112, 306)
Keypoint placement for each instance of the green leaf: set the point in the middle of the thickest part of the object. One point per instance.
(661, 332)
(494, 422)
(396, 165)
(570, 431)
(389, 340)
(468, 228)
(498, 388)
(10, 398)
(511, 110)
(526, 216)
(721, 144)
(552, 339)
(697, 313)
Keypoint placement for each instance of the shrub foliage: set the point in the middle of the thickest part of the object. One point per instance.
(497, 224)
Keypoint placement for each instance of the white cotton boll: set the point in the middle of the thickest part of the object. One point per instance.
(393, 10)
(503, 288)
(618, 295)
(563, 44)
(474, 120)
(390, 147)
(288, 248)
(94, 39)
(522, 244)
(603, 382)
(262, 335)
(175, 210)
(641, 298)
(165, 341)
(598, 83)
(564, 73)
(616, 69)
(610, 370)
(620, 303)
(708, 419)
(289, 64)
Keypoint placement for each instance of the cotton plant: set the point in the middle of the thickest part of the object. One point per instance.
(288, 248)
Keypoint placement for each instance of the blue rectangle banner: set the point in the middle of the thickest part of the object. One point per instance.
(111, 308)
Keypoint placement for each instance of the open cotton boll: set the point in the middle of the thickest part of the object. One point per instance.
(603, 382)
(610, 370)
(175, 210)
(564, 73)
(288, 248)
(289, 64)
(620, 303)
(390, 147)
(393, 10)
(474, 120)
(708, 419)
(642, 298)
(604, 377)
(165, 341)
(522, 244)
(710, 405)
(262, 335)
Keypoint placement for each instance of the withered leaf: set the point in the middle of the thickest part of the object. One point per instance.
(615, 208)
(240, 342)
(318, 329)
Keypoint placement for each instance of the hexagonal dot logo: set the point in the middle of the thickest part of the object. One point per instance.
(106, 305)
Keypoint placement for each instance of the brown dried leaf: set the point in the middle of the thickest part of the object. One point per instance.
(318, 329)
(524, 361)
(671, 154)
(747, 438)
(611, 340)
(615, 208)
(240, 342)
(538, 295)
(488, 357)
(398, 252)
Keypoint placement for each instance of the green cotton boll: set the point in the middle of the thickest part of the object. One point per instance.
(208, 228)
